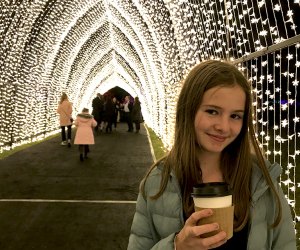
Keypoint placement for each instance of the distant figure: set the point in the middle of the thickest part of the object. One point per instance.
(98, 108)
(109, 114)
(116, 112)
(136, 114)
(65, 115)
(127, 107)
(84, 135)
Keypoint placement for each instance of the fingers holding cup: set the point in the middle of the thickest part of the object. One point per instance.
(218, 197)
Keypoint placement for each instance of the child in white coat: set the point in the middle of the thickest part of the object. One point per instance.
(84, 135)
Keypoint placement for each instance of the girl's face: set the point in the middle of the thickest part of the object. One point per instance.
(219, 118)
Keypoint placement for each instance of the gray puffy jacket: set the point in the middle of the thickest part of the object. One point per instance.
(156, 221)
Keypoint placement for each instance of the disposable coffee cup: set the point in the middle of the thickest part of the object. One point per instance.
(218, 197)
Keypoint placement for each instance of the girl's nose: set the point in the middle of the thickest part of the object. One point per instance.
(222, 124)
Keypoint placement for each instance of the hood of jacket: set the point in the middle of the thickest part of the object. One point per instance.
(84, 117)
(259, 184)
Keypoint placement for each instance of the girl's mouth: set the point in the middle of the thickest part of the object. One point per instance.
(217, 138)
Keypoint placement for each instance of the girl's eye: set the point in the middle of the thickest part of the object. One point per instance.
(236, 116)
(211, 111)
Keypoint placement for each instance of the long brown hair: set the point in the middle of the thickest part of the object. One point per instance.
(236, 167)
(63, 97)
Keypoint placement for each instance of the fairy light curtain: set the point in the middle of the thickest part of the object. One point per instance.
(275, 78)
(233, 30)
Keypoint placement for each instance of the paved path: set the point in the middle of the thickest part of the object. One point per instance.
(51, 200)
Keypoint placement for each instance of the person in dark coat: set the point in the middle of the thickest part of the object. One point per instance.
(109, 114)
(97, 112)
(136, 114)
(127, 107)
(116, 111)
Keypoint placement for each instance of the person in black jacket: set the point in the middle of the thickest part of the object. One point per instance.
(97, 112)
(127, 107)
(136, 114)
(109, 113)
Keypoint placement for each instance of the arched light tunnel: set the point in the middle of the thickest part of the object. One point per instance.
(146, 48)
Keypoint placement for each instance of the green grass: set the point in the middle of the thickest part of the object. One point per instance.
(157, 144)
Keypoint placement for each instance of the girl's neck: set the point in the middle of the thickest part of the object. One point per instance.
(210, 167)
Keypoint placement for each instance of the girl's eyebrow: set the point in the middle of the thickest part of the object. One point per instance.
(217, 107)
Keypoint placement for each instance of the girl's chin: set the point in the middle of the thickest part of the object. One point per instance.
(212, 150)
(216, 148)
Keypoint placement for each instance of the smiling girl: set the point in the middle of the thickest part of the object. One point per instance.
(214, 142)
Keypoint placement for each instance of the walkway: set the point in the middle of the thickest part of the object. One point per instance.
(51, 200)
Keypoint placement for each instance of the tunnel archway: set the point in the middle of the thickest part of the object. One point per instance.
(118, 92)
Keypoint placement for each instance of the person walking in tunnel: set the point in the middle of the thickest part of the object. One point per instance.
(127, 108)
(65, 119)
(109, 114)
(215, 141)
(116, 111)
(137, 116)
(97, 112)
(84, 137)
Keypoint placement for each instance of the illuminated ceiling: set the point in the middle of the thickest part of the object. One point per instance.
(145, 47)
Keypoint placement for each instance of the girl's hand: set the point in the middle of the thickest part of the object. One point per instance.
(190, 235)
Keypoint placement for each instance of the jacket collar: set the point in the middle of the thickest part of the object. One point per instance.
(259, 184)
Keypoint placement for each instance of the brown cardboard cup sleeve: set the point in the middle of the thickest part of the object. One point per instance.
(223, 216)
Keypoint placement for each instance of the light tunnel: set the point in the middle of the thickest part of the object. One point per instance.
(81, 50)
(147, 47)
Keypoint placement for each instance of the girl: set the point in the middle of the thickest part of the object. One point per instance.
(214, 142)
(65, 115)
(84, 135)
